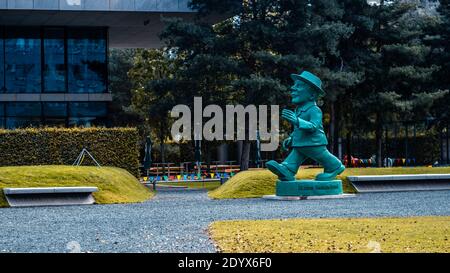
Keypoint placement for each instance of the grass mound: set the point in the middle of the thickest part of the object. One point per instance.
(115, 185)
(253, 184)
(399, 235)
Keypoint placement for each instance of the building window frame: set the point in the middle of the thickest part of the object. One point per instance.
(66, 29)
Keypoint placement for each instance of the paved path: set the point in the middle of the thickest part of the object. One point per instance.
(176, 221)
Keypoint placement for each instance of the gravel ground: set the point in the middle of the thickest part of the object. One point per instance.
(177, 221)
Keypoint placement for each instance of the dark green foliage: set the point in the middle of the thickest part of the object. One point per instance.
(154, 93)
(440, 43)
(60, 146)
(247, 58)
(120, 86)
(390, 52)
(380, 64)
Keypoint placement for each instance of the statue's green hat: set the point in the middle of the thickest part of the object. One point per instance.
(310, 79)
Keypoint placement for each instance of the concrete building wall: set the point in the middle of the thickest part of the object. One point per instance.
(99, 5)
(131, 23)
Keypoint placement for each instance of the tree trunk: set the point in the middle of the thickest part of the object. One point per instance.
(406, 144)
(379, 141)
(337, 126)
(162, 147)
(245, 156)
(208, 157)
(332, 127)
(349, 148)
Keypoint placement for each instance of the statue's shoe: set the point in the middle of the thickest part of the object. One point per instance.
(330, 176)
(283, 173)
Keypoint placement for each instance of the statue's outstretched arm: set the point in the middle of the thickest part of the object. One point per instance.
(315, 123)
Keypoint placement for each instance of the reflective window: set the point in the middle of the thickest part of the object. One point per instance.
(14, 122)
(2, 63)
(86, 121)
(145, 5)
(70, 4)
(82, 122)
(55, 109)
(23, 60)
(87, 60)
(55, 114)
(96, 5)
(121, 4)
(55, 122)
(46, 4)
(23, 109)
(88, 109)
(20, 4)
(168, 5)
(54, 61)
(2, 114)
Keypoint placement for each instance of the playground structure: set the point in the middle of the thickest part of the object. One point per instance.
(189, 172)
(80, 159)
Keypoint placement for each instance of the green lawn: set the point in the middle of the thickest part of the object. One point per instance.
(399, 235)
(115, 185)
(253, 184)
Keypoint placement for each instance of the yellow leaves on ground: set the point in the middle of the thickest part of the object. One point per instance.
(418, 234)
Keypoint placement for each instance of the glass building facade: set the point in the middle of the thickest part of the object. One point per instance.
(53, 55)
(53, 61)
(54, 114)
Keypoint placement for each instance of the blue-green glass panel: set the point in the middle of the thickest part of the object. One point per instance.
(54, 61)
(18, 122)
(23, 109)
(2, 62)
(87, 109)
(87, 66)
(23, 60)
(55, 109)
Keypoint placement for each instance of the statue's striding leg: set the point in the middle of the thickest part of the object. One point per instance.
(294, 160)
(331, 164)
(287, 170)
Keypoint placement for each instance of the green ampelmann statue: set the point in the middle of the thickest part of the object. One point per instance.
(308, 140)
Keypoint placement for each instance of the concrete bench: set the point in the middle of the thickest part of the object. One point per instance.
(408, 182)
(53, 196)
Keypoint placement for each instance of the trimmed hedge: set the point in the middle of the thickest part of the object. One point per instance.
(117, 147)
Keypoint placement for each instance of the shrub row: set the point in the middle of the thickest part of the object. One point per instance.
(116, 147)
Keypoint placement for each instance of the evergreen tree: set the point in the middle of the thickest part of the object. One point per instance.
(398, 83)
(441, 50)
(120, 86)
(355, 55)
(253, 52)
(154, 93)
(377, 61)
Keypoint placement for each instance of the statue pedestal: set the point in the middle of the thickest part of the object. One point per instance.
(309, 188)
